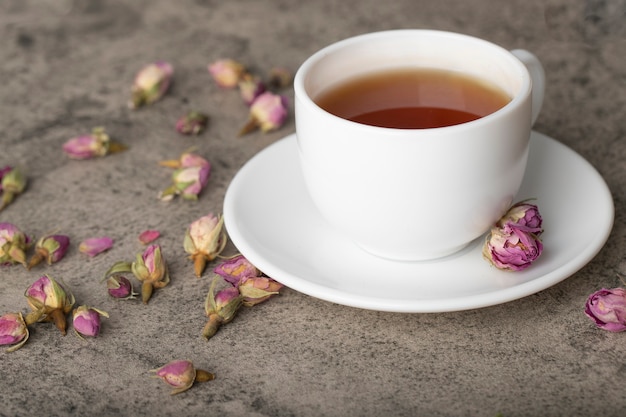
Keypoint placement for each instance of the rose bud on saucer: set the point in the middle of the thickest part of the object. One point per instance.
(181, 374)
(13, 331)
(607, 309)
(525, 216)
(86, 320)
(511, 248)
(51, 248)
(151, 83)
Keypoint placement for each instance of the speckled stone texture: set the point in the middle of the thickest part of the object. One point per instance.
(66, 66)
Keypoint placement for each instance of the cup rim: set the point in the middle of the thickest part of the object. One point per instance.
(302, 95)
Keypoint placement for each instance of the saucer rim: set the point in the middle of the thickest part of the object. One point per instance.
(315, 289)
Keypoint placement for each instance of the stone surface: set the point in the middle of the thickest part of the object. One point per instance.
(67, 66)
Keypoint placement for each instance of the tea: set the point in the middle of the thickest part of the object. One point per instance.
(413, 98)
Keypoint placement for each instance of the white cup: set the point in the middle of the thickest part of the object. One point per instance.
(415, 194)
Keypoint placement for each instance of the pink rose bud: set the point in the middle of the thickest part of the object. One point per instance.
(95, 245)
(607, 309)
(193, 123)
(236, 270)
(280, 77)
(268, 112)
(511, 249)
(96, 144)
(13, 331)
(151, 83)
(181, 374)
(190, 177)
(13, 244)
(150, 268)
(220, 308)
(524, 216)
(149, 236)
(49, 301)
(120, 287)
(204, 240)
(255, 290)
(250, 87)
(226, 72)
(51, 248)
(86, 320)
(12, 183)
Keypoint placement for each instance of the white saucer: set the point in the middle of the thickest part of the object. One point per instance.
(272, 221)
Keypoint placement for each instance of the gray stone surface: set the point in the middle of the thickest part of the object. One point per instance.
(66, 66)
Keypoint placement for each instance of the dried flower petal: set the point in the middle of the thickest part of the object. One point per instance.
(151, 83)
(226, 72)
(13, 244)
(181, 374)
(268, 112)
(12, 183)
(607, 309)
(51, 248)
(13, 331)
(204, 240)
(86, 320)
(193, 123)
(149, 236)
(95, 245)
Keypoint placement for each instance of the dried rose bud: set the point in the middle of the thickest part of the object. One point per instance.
(607, 309)
(193, 123)
(86, 320)
(150, 268)
(120, 287)
(524, 216)
(204, 240)
(220, 308)
(268, 112)
(250, 87)
(190, 177)
(95, 245)
(50, 301)
(151, 83)
(280, 77)
(13, 331)
(149, 236)
(13, 244)
(226, 72)
(181, 374)
(94, 145)
(513, 249)
(236, 270)
(12, 183)
(51, 248)
(255, 290)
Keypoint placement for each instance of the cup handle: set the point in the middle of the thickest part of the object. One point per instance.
(538, 76)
